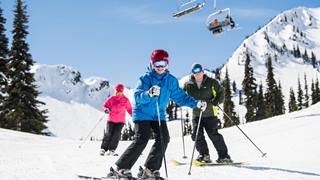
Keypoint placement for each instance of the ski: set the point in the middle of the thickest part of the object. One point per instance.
(105, 178)
(90, 177)
(198, 163)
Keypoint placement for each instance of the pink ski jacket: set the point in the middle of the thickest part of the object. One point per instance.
(118, 105)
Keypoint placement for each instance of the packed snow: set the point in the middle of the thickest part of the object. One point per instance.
(291, 142)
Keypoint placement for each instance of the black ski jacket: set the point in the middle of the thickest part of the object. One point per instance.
(210, 91)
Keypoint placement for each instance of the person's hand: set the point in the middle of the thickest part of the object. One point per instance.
(215, 101)
(202, 105)
(107, 110)
(154, 91)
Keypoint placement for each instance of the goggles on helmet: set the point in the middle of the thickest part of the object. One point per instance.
(160, 63)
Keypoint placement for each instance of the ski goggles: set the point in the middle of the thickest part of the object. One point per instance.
(160, 63)
(196, 70)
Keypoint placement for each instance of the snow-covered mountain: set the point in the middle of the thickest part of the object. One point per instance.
(68, 96)
(298, 27)
(66, 84)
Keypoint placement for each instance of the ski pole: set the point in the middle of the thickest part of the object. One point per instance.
(161, 140)
(182, 132)
(263, 154)
(91, 131)
(195, 141)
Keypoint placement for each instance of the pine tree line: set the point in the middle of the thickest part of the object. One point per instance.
(19, 107)
(303, 97)
(228, 105)
(306, 58)
(261, 105)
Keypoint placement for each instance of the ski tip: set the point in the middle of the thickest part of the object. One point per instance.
(177, 163)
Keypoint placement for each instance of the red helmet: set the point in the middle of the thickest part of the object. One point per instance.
(119, 87)
(159, 54)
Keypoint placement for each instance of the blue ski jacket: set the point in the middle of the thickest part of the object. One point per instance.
(145, 108)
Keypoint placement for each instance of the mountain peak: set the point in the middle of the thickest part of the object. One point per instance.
(297, 28)
(66, 84)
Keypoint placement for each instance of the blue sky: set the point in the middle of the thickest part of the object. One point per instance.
(114, 39)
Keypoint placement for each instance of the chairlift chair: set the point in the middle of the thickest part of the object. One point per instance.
(216, 25)
(185, 7)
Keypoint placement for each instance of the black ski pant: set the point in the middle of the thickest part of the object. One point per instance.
(112, 136)
(142, 136)
(210, 124)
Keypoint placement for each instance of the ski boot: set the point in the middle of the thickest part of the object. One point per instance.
(204, 158)
(111, 153)
(147, 174)
(226, 159)
(122, 174)
(102, 152)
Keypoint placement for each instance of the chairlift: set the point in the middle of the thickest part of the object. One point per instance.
(219, 20)
(187, 7)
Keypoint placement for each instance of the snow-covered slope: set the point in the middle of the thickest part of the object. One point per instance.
(298, 27)
(72, 119)
(291, 142)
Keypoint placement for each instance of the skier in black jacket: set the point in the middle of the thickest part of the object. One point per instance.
(202, 87)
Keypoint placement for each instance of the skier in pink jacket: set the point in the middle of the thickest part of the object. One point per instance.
(116, 106)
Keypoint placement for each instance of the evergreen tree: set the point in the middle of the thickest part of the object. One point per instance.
(294, 52)
(260, 112)
(271, 91)
(317, 90)
(292, 101)
(279, 104)
(300, 95)
(22, 107)
(284, 47)
(313, 60)
(298, 53)
(306, 95)
(249, 88)
(228, 105)
(3, 64)
(313, 93)
(234, 86)
(305, 56)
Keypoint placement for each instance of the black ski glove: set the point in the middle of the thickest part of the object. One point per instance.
(215, 101)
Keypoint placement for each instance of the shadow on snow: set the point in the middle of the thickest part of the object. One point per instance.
(261, 168)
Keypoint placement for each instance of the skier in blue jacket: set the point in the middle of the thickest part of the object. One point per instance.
(155, 86)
